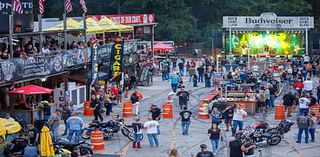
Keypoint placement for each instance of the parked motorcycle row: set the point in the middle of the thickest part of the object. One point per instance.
(262, 133)
(109, 128)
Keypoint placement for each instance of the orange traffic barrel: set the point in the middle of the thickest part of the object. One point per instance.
(87, 111)
(203, 111)
(167, 112)
(279, 112)
(127, 111)
(97, 140)
(315, 109)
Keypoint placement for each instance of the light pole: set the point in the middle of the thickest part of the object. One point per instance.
(218, 62)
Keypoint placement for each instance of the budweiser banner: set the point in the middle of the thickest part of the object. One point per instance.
(116, 61)
(268, 20)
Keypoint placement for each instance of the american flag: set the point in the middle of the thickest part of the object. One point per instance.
(41, 6)
(83, 5)
(16, 6)
(68, 6)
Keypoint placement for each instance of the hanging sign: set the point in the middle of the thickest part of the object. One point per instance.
(116, 62)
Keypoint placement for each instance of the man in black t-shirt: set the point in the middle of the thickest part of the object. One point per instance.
(155, 112)
(235, 148)
(183, 98)
(185, 120)
(228, 115)
(248, 147)
(288, 101)
(204, 152)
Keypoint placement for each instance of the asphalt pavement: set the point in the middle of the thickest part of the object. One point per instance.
(171, 133)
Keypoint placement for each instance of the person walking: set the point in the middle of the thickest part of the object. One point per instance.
(183, 98)
(207, 79)
(288, 101)
(204, 152)
(75, 124)
(155, 112)
(248, 148)
(216, 116)
(54, 123)
(237, 120)
(200, 73)
(152, 126)
(195, 80)
(174, 80)
(228, 115)
(215, 137)
(185, 116)
(235, 147)
(137, 128)
(303, 104)
(308, 85)
(313, 125)
(303, 122)
(262, 100)
(192, 71)
(135, 101)
(96, 104)
(181, 67)
(66, 113)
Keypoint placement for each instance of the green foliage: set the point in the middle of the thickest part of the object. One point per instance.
(189, 20)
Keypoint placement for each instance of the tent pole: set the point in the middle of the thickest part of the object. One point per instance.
(40, 32)
(65, 26)
(84, 27)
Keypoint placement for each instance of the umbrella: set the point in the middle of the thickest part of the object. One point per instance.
(161, 47)
(9, 126)
(31, 89)
(110, 26)
(46, 146)
(3, 131)
(93, 27)
(71, 24)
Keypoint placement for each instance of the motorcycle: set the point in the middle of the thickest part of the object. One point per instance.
(258, 136)
(283, 127)
(109, 128)
(64, 144)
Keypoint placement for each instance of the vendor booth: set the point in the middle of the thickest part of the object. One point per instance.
(266, 35)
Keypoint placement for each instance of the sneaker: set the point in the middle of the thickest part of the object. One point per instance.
(298, 142)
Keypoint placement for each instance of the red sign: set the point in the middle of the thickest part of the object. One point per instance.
(132, 19)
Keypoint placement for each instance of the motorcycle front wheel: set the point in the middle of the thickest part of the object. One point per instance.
(274, 140)
(85, 151)
(85, 134)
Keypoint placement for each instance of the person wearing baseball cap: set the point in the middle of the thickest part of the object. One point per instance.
(204, 152)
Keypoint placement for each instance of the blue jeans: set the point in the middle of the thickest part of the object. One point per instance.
(66, 128)
(137, 137)
(303, 110)
(55, 132)
(165, 76)
(318, 96)
(271, 101)
(215, 145)
(153, 140)
(181, 70)
(312, 132)
(207, 83)
(200, 78)
(174, 87)
(77, 135)
(235, 124)
(306, 134)
(185, 127)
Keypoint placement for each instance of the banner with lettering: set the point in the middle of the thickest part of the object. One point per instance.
(116, 62)
(94, 63)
